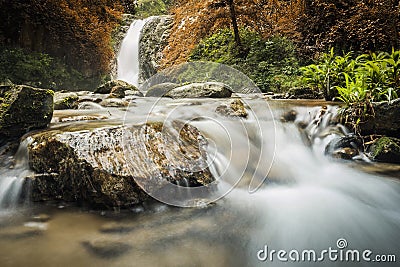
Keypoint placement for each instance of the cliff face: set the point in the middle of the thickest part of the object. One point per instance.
(153, 40)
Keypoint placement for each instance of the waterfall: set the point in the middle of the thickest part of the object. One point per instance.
(128, 58)
(12, 178)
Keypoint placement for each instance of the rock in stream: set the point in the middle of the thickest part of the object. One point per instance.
(103, 167)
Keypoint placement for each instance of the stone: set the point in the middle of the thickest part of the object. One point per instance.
(289, 116)
(117, 85)
(346, 147)
(114, 102)
(386, 149)
(23, 109)
(234, 108)
(105, 247)
(345, 153)
(91, 166)
(159, 90)
(201, 90)
(19, 232)
(41, 218)
(302, 93)
(153, 39)
(114, 227)
(65, 101)
(386, 120)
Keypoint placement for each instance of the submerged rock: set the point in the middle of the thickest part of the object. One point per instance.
(346, 147)
(289, 116)
(65, 101)
(91, 166)
(117, 87)
(106, 247)
(22, 109)
(234, 108)
(386, 149)
(201, 90)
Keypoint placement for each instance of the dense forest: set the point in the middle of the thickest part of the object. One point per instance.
(71, 39)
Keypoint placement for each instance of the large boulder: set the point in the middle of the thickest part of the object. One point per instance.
(22, 109)
(201, 90)
(159, 90)
(92, 166)
(386, 149)
(117, 87)
(153, 39)
(385, 121)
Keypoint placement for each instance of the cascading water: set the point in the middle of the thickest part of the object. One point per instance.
(12, 178)
(128, 58)
(311, 201)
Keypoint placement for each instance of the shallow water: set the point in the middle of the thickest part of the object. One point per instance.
(309, 201)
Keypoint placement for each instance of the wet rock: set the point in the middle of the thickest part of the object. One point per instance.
(289, 116)
(22, 109)
(153, 39)
(65, 101)
(386, 120)
(19, 232)
(118, 86)
(386, 149)
(41, 218)
(234, 108)
(161, 89)
(345, 147)
(302, 93)
(115, 227)
(106, 247)
(91, 166)
(114, 102)
(345, 153)
(89, 105)
(201, 90)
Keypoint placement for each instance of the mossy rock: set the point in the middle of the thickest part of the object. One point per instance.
(117, 86)
(201, 90)
(161, 89)
(22, 109)
(65, 101)
(386, 149)
(91, 167)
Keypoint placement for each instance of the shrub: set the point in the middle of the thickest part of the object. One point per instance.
(271, 63)
(368, 77)
(37, 69)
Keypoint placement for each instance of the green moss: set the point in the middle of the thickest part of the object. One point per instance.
(386, 149)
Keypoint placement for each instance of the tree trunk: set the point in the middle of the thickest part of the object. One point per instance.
(234, 23)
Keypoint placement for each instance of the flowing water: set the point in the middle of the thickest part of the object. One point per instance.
(128, 67)
(308, 201)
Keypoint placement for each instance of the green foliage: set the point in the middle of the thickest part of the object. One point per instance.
(271, 64)
(147, 8)
(37, 69)
(368, 77)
